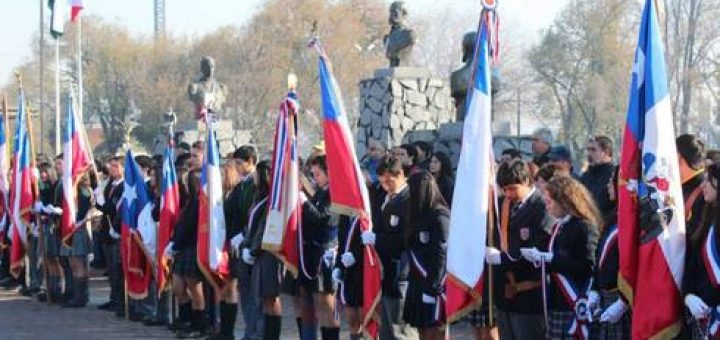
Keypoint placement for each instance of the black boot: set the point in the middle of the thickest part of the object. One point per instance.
(272, 327)
(79, 298)
(183, 320)
(299, 323)
(232, 312)
(330, 333)
(196, 326)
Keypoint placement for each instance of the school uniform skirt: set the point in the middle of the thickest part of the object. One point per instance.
(350, 290)
(419, 314)
(80, 244)
(51, 240)
(185, 264)
(267, 276)
(559, 323)
(614, 331)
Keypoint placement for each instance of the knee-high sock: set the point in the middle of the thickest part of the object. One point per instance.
(231, 311)
(272, 327)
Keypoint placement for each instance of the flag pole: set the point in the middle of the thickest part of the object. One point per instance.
(80, 71)
(57, 96)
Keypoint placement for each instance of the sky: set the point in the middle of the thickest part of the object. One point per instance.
(195, 18)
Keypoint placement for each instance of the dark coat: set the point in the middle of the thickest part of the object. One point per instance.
(529, 226)
(185, 232)
(256, 227)
(317, 231)
(237, 207)
(697, 279)
(573, 256)
(427, 244)
(389, 226)
(606, 273)
(595, 180)
(111, 213)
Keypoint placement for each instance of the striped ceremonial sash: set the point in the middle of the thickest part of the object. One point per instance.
(609, 242)
(711, 257)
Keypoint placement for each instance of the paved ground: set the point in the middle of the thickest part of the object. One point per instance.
(25, 318)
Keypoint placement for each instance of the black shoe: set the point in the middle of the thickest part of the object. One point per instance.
(25, 291)
(189, 334)
(10, 284)
(135, 317)
(41, 296)
(73, 304)
(178, 326)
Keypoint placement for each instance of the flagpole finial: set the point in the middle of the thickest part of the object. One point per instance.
(292, 81)
(18, 77)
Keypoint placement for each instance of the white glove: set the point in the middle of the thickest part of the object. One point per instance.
(168, 250)
(38, 207)
(697, 306)
(99, 196)
(236, 240)
(247, 257)
(35, 229)
(337, 276)
(428, 299)
(492, 255)
(329, 257)
(51, 209)
(302, 197)
(535, 256)
(347, 259)
(368, 237)
(613, 313)
(593, 299)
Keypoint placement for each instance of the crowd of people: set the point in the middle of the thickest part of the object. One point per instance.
(551, 220)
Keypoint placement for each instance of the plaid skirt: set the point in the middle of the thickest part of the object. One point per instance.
(558, 324)
(185, 264)
(613, 331)
(52, 241)
(267, 275)
(81, 244)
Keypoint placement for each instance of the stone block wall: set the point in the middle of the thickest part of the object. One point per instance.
(401, 105)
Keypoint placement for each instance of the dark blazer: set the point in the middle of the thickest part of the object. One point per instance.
(111, 215)
(697, 279)
(595, 179)
(606, 273)
(390, 228)
(317, 231)
(256, 227)
(427, 245)
(573, 256)
(185, 231)
(528, 227)
(237, 207)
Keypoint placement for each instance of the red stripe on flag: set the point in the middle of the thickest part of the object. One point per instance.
(136, 265)
(215, 277)
(169, 216)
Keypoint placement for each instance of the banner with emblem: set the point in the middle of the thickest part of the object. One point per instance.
(651, 221)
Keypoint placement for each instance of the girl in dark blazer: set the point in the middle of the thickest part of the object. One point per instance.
(426, 243)
(570, 258)
(701, 281)
(442, 170)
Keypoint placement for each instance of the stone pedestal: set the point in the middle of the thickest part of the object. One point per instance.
(400, 105)
(228, 138)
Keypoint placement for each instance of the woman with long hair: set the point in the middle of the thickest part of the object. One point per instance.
(570, 255)
(700, 283)
(267, 269)
(187, 278)
(441, 168)
(614, 319)
(426, 243)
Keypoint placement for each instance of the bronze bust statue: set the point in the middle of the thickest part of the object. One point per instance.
(460, 78)
(401, 39)
(206, 92)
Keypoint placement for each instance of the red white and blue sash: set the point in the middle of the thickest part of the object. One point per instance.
(418, 267)
(346, 248)
(610, 241)
(711, 257)
(577, 298)
(713, 324)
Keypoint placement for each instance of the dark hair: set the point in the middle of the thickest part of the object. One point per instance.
(262, 170)
(691, 149)
(605, 144)
(446, 169)
(411, 151)
(59, 156)
(320, 162)
(193, 183)
(184, 146)
(711, 213)
(548, 171)
(392, 165)
(512, 152)
(513, 172)
(144, 161)
(425, 147)
(425, 196)
(118, 158)
(200, 145)
(246, 153)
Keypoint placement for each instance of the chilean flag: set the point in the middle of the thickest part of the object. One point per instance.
(76, 160)
(283, 221)
(169, 214)
(651, 257)
(212, 249)
(23, 194)
(75, 7)
(138, 230)
(472, 196)
(348, 191)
